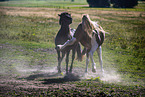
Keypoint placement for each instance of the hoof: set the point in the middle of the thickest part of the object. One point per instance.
(59, 71)
(86, 71)
(94, 70)
(70, 71)
(103, 72)
(67, 73)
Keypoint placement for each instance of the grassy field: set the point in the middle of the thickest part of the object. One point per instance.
(27, 32)
(45, 3)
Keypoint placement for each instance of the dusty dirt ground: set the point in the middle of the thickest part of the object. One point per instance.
(45, 81)
(35, 84)
(57, 85)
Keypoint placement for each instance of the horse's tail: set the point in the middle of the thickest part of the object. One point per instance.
(83, 52)
(79, 54)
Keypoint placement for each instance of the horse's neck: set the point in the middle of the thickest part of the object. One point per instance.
(65, 29)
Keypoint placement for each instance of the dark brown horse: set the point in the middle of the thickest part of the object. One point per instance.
(63, 35)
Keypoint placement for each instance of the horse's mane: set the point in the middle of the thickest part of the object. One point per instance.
(88, 26)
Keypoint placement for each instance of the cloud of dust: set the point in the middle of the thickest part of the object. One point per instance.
(38, 69)
(110, 76)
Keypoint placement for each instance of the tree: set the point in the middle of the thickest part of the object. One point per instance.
(116, 3)
(98, 3)
(4, 0)
(124, 3)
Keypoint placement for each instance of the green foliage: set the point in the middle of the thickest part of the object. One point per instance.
(124, 3)
(97, 79)
(98, 3)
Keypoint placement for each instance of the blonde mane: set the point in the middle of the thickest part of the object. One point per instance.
(88, 25)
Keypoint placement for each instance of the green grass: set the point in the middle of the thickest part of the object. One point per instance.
(126, 36)
(64, 4)
(21, 55)
(28, 28)
(47, 3)
(29, 41)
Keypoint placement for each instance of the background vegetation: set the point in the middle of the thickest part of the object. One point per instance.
(115, 3)
(28, 29)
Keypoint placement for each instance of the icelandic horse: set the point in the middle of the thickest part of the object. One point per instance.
(64, 34)
(91, 36)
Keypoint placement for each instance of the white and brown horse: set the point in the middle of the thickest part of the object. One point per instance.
(91, 36)
(64, 34)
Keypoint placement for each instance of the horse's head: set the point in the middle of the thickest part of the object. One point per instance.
(65, 18)
(87, 23)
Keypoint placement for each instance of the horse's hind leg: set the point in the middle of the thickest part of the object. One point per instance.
(67, 60)
(93, 49)
(87, 62)
(78, 49)
(93, 63)
(99, 50)
(73, 57)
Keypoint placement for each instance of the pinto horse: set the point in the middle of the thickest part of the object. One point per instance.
(64, 34)
(91, 36)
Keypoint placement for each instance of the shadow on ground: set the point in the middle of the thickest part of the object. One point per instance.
(35, 76)
(66, 78)
(53, 78)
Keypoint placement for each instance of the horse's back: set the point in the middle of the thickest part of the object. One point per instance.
(82, 37)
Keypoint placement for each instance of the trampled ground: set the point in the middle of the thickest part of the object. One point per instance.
(43, 80)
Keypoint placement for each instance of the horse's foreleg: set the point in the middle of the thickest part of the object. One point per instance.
(73, 57)
(59, 61)
(87, 62)
(67, 60)
(99, 50)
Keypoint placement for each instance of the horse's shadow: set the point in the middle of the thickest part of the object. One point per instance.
(47, 78)
(42, 75)
(66, 78)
